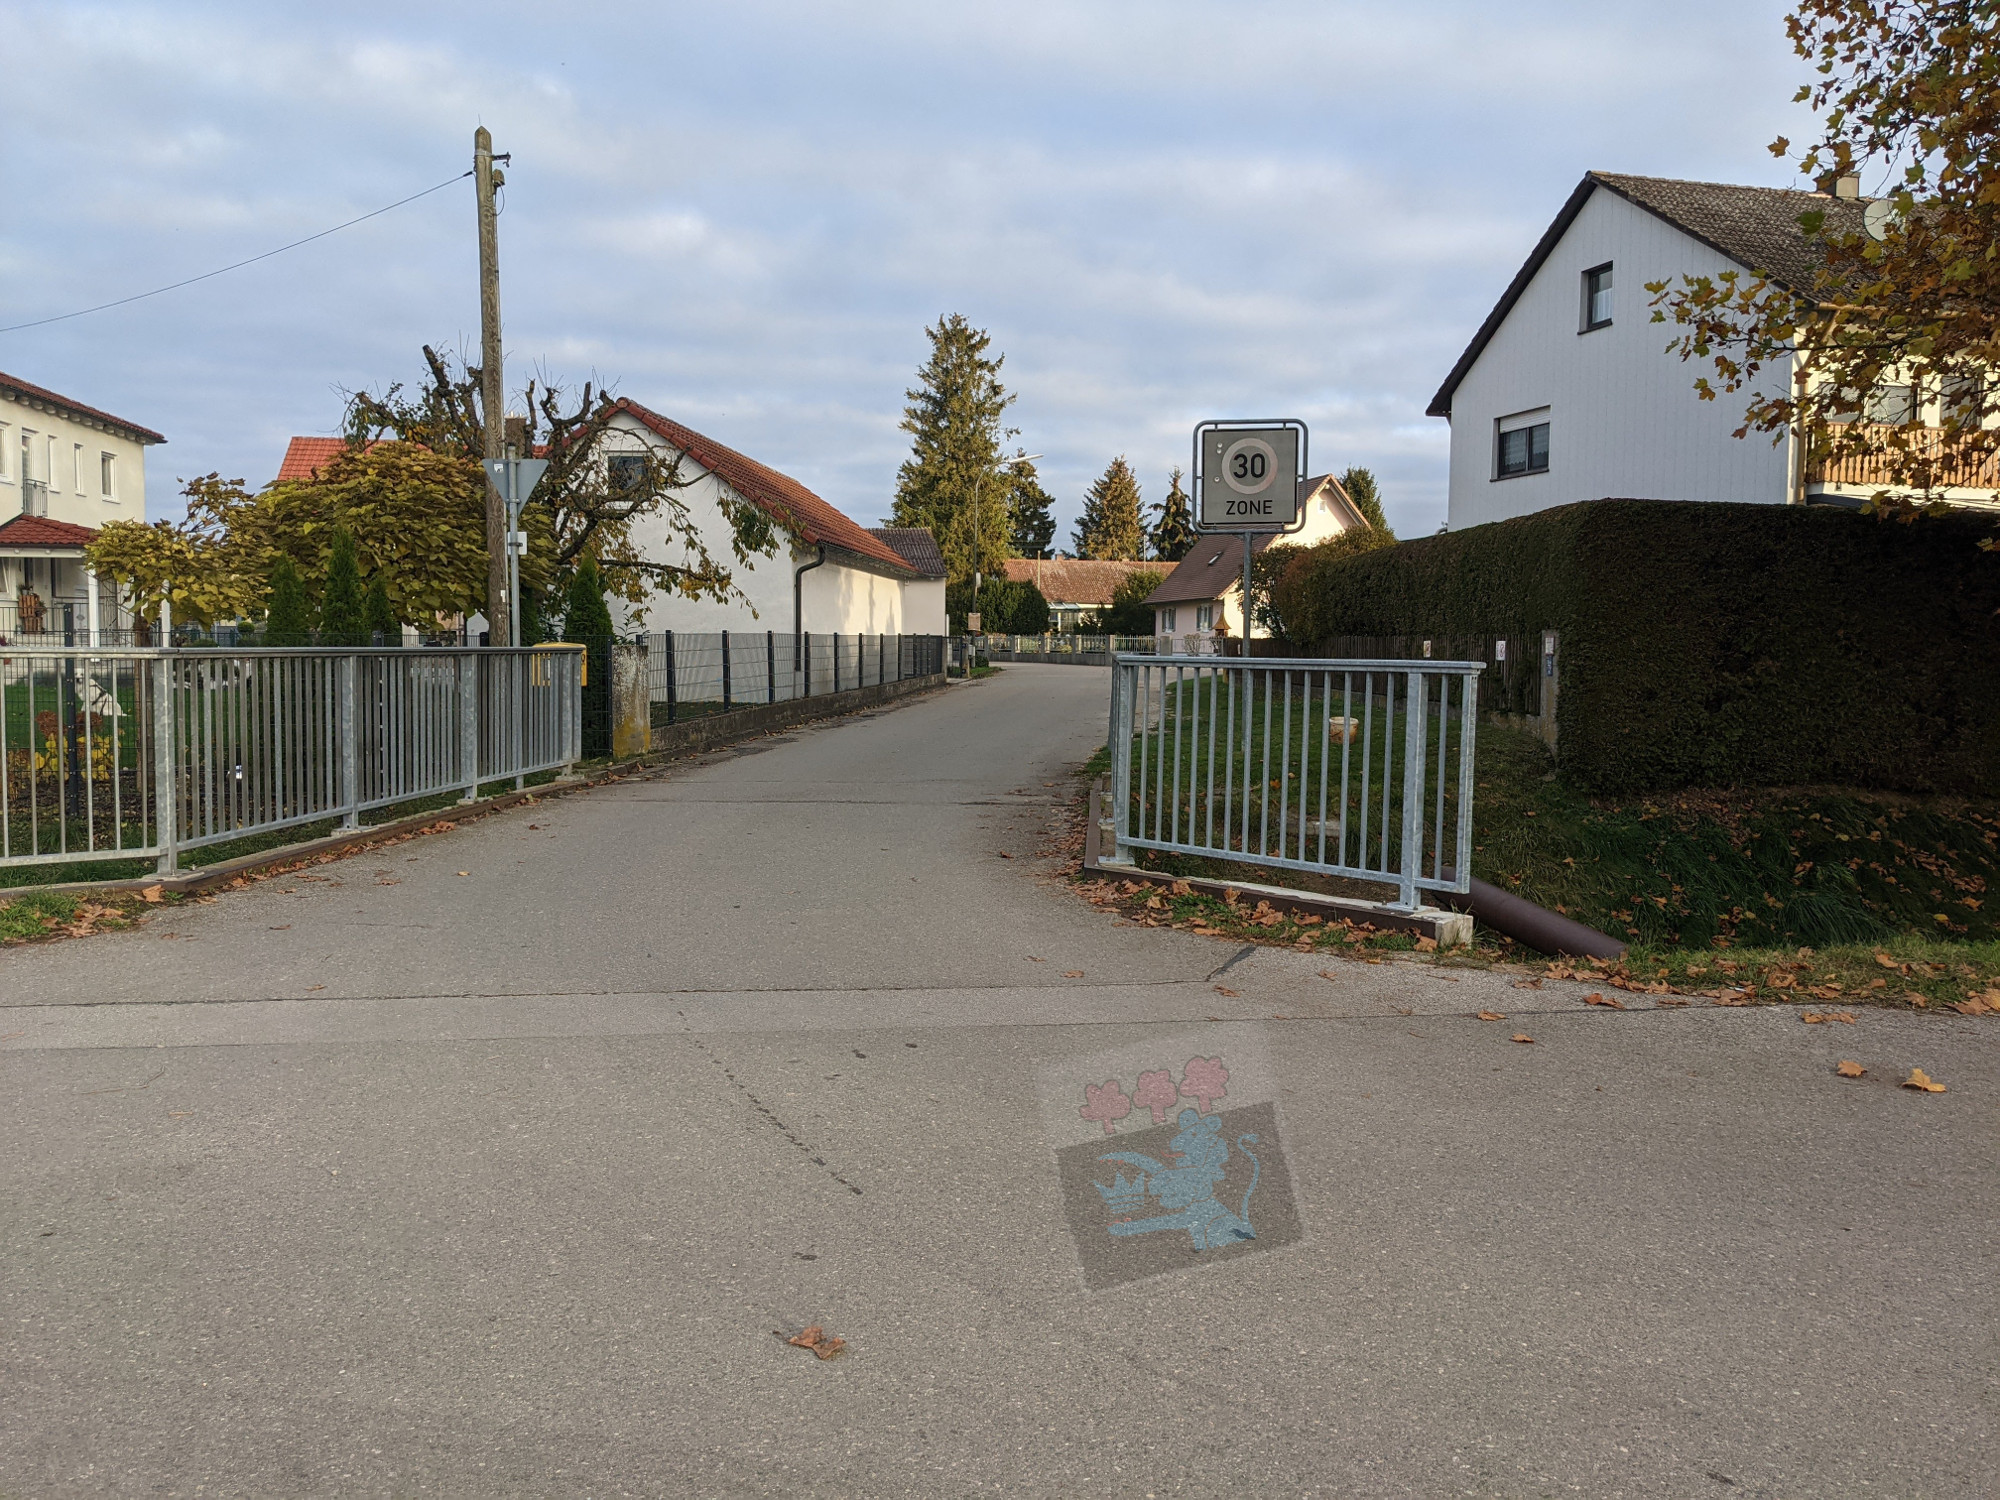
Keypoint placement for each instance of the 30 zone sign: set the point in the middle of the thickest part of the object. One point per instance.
(1248, 475)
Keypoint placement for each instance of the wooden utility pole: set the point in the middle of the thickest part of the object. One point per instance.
(492, 385)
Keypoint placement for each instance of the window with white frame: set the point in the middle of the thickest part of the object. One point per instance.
(7, 451)
(1521, 444)
(1169, 620)
(1204, 617)
(1962, 399)
(107, 475)
(76, 468)
(1597, 297)
(1893, 405)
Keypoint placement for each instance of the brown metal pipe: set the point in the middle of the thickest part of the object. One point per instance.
(1536, 926)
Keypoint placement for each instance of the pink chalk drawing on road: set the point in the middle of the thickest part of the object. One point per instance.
(1156, 1092)
(1202, 1080)
(1105, 1103)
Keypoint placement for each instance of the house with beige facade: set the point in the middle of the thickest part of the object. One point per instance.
(65, 470)
(1202, 599)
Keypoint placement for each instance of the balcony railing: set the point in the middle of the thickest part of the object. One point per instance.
(1872, 471)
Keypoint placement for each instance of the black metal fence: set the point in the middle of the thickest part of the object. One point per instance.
(692, 673)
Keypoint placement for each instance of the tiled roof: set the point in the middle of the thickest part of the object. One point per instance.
(78, 409)
(1075, 580)
(916, 546)
(1208, 572)
(1756, 227)
(41, 531)
(306, 456)
(780, 496)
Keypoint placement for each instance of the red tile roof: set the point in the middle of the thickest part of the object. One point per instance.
(306, 456)
(780, 496)
(78, 409)
(41, 531)
(1077, 580)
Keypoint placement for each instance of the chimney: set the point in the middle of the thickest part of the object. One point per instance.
(1848, 187)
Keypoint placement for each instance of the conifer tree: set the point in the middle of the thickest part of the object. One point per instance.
(340, 622)
(587, 622)
(378, 618)
(1109, 526)
(288, 617)
(1172, 534)
(1032, 513)
(1360, 486)
(949, 482)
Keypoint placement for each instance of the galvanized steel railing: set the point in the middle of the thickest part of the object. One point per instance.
(143, 754)
(1359, 769)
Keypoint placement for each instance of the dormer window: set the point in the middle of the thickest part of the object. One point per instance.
(1597, 298)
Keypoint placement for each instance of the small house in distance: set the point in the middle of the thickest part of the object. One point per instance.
(1074, 586)
(923, 596)
(65, 470)
(1203, 597)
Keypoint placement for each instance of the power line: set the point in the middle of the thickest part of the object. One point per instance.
(237, 266)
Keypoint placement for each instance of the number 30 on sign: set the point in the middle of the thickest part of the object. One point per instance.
(1248, 475)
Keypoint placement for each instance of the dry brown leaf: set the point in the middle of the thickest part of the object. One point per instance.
(1328, 974)
(1811, 1017)
(1973, 1005)
(465, 872)
(1072, 973)
(1522, 1036)
(1847, 1068)
(819, 1341)
(1885, 961)
(1180, 888)
(153, 894)
(1919, 1079)
(1005, 855)
(1527, 984)
(1220, 990)
(1493, 1015)
(1611, 1002)
(1671, 1003)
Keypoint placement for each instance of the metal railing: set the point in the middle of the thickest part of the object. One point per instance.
(692, 672)
(145, 754)
(1358, 769)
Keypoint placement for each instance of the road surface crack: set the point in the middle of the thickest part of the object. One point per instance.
(810, 1151)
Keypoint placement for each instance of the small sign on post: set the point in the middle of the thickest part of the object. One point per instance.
(1250, 481)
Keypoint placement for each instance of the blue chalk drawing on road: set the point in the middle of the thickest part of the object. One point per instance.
(1186, 1189)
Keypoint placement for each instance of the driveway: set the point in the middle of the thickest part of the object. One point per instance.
(505, 1161)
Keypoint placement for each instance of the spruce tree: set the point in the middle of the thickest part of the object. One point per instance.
(378, 619)
(288, 616)
(949, 482)
(340, 622)
(1172, 535)
(1360, 486)
(1032, 514)
(1109, 526)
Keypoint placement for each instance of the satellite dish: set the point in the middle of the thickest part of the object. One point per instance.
(1879, 216)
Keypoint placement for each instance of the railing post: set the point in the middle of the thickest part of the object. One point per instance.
(725, 671)
(770, 666)
(673, 701)
(468, 723)
(836, 661)
(350, 751)
(806, 655)
(1416, 697)
(1121, 758)
(166, 798)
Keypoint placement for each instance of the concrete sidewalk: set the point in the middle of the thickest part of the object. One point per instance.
(391, 1179)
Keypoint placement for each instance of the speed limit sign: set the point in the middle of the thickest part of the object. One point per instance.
(1249, 476)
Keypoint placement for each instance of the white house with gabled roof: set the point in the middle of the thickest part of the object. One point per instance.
(1567, 392)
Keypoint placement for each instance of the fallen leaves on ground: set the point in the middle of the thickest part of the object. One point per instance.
(1919, 1079)
(1609, 1002)
(1072, 973)
(1848, 1068)
(1987, 1004)
(1817, 1017)
(153, 894)
(819, 1341)
(1493, 1015)
(1527, 984)
(1522, 1036)
(465, 872)
(1228, 992)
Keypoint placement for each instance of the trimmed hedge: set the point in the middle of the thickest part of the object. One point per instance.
(1707, 644)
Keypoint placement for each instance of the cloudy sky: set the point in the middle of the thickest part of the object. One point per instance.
(744, 214)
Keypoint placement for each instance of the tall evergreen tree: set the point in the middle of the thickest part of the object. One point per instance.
(1172, 534)
(288, 615)
(1032, 513)
(948, 482)
(340, 622)
(1110, 526)
(1360, 486)
(587, 622)
(378, 616)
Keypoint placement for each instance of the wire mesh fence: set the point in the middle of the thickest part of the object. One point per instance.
(108, 755)
(690, 673)
(1359, 769)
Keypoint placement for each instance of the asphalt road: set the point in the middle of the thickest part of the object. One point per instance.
(494, 1164)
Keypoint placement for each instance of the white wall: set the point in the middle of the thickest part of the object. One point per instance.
(54, 443)
(1624, 420)
(836, 597)
(923, 607)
